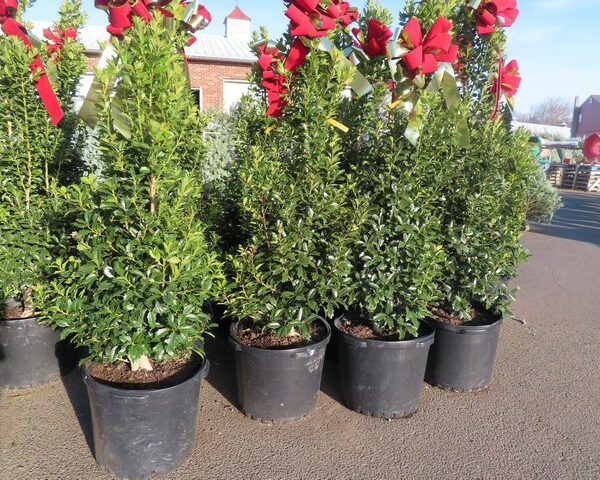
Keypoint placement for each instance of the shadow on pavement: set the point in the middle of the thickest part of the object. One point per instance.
(578, 220)
(78, 396)
(330, 382)
(222, 368)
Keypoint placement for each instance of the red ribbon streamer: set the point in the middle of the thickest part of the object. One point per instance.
(12, 27)
(296, 56)
(426, 53)
(494, 13)
(58, 37)
(273, 81)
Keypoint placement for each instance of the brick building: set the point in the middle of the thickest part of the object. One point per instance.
(218, 65)
(586, 117)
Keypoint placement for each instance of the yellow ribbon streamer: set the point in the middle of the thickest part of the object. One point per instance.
(334, 123)
(358, 82)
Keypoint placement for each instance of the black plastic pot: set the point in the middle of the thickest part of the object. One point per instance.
(278, 385)
(463, 357)
(382, 378)
(32, 354)
(142, 433)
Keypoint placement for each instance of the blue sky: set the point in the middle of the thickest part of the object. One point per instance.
(557, 42)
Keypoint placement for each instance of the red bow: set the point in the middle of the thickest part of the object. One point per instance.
(343, 12)
(425, 54)
(11, 27)
(309, 18)
(58, 37)
(376, 40)
(508, 79)
(591, 147)
(8, 8)
(121, 12)
(496, 12)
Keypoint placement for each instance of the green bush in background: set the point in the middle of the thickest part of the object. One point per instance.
(542, 199)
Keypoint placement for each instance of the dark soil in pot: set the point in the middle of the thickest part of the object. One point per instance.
(32, 354)
(278, 381)
(162, 375)
(463, 356)
(150, 428)
(380, 376)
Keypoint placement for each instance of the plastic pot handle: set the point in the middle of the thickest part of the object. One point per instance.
(299, 355)
(306, 354)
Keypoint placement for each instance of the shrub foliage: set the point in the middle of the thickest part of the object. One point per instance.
(134, 278)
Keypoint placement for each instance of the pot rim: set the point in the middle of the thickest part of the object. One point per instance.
(423, 340)
(92, 382)
(33, 317)
(438, 324)
(234, 341)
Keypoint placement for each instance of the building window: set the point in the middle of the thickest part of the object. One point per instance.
(199, 97)
(580, 117)
(233, 90)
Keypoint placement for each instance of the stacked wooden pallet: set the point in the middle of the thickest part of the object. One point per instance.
(554, 174)
(594, 182)
(575, 177)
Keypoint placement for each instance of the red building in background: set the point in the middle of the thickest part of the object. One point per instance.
(586, 117)
(218, 64)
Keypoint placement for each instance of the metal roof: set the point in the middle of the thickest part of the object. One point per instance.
(207, 47)
(221, 48)
(544, 130)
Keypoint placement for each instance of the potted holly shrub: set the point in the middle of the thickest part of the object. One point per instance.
(36, 139)
(132, 284)
(382, 341)
(297, 223)
(482, 200)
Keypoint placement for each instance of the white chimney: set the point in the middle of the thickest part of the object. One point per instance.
(237, 25)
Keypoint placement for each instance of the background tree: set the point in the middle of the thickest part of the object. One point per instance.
(552, 111)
